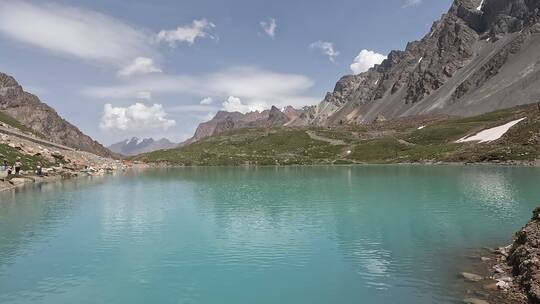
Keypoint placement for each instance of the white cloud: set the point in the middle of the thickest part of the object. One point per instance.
(141, 65)
(269, 27)
(252, 85)
(188, 33)
(365, 60)
(206, 101)
(235, 104)
(192, 108)
(72, 31)
(327, 48)
(135, 117)
(409, 3)
(144, 95)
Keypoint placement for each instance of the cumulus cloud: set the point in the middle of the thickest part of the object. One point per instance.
(72, 31)
(235, 104)
(365, 60)
(326, 48)
(135, 117)
(269, 27)
(206, 101)
(409, 3)
(141, 65)
(188, 34)
(251, 84)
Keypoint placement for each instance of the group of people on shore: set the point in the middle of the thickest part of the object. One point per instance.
(8, 170)
(15, 169)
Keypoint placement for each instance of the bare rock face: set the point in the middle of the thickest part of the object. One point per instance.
(225, 121)
(221, 122)
(275, 118)
(135, 146)
(31, 112)
(525, 258)
(476, 58)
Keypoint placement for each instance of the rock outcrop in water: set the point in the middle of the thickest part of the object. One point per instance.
(479, 57)
(38, 116)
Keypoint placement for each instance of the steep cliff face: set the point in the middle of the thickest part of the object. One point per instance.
(480, 56)
(34, 114)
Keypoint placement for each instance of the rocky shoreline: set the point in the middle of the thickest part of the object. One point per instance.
(57, 161)
(510, 274)
(524, 258)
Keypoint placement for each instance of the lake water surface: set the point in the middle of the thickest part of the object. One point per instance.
(367, 234)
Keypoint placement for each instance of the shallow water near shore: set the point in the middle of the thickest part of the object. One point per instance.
(366, 234)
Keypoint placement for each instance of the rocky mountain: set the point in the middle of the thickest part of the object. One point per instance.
(481, 56)
(136, 146)
(224, 121)
(36, 115)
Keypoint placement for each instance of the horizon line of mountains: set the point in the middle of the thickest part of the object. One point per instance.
(481, 56)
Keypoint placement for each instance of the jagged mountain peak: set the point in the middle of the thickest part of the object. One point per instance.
(224, 121)
(7, 81)
(136, 146)
(473, 58)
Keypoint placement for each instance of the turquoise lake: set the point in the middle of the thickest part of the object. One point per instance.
(366, 234)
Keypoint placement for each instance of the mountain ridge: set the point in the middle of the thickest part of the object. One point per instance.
(29, 110)
(467, 65)
(224, 121)
(478, 57)
(134, 146)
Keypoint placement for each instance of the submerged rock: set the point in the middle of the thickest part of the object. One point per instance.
(485, 259)
(472, 277)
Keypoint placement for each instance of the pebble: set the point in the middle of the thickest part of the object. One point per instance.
(498, 269)
(503, 285)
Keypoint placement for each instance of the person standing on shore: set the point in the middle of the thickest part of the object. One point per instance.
(4, 169)
(39, 170)
(17, 166)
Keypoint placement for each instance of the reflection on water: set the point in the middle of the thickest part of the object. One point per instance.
(368, 234)
(495, 189)
(30, 213)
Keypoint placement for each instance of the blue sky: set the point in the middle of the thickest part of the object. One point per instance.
(126, 68)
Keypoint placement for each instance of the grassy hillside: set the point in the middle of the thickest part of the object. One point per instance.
(10, 121)
(10, 154)
(399, 141)
(29, 162)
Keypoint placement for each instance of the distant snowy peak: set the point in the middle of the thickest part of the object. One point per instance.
(136, 146)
